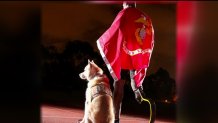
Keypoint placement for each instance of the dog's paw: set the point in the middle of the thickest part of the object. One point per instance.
(80, 121)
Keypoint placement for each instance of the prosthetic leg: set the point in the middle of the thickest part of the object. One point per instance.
(140, 97)
(138, 91)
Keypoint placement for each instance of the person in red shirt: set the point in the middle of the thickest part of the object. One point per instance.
(127, 45)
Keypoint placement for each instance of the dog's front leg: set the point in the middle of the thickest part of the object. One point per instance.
(82, 121)
(86, 115)
(87, 112)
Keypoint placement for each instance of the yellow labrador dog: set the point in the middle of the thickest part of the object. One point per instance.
(99, 104)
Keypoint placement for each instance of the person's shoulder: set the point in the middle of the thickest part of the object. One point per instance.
(129, 9)
(122, 11)
(133, 10)
(141, 12)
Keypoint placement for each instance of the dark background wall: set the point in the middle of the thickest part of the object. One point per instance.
(88, 21)
(19, 62)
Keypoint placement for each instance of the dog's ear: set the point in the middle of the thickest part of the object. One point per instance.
(98, 69)
(82, 76)
(89, 61)
(94, 63)
(90, 64)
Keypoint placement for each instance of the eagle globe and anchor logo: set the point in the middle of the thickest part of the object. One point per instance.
(140, 34)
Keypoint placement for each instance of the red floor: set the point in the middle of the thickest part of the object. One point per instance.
(55, 114)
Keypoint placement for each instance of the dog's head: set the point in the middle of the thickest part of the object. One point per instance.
(90, 71)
